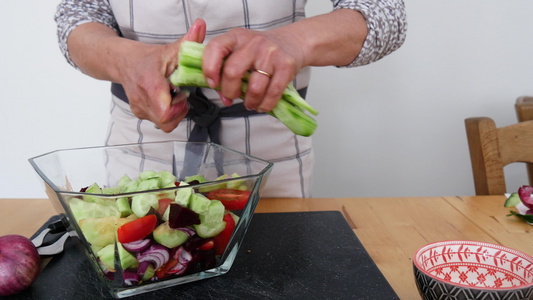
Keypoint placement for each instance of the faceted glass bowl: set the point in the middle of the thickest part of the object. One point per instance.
(66, 173)
(472, 270)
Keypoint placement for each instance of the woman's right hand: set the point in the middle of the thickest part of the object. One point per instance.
(141, 68)
(144, 78)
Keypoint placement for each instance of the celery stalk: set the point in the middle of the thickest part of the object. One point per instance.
(290, 110)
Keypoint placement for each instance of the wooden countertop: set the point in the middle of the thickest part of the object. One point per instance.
(391, 229)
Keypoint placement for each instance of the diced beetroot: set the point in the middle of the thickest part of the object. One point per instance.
(180, 216)
(194, 242)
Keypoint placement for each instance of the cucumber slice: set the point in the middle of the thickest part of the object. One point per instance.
(140, 204)
(167, 179)
(199, 203)
(149, 273)
(206, 231)
(149, 184)
(147, 175)
(123, 205)
(127, 259)
(93, 189)
(84, 210)
(197, 177)
(217, 186)
(123, 181)
(111, 190)
(107, 256)
(131, 186)
(512, 201)
(212, 222)
(99, 231)
(169, 237)
(183, 195)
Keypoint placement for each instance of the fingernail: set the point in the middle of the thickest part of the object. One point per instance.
(193, 31)
(210, 83)
(225, 100)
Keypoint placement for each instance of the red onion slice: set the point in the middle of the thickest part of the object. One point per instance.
(142, 268)
(177, 269)
(188, 230)
(137, 246)
(156, 254)
(130, 277)
(183, 257)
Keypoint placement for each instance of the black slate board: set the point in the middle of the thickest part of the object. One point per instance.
(309, 255)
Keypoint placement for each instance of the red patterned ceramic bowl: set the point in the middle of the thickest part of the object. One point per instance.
(472, 270)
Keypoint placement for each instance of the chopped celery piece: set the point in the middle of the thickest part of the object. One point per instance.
(290, 110)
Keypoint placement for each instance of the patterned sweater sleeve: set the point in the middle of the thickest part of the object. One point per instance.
(385, 19)
(72, 13)
(387, 26)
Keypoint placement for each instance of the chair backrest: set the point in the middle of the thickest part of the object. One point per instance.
(524, 112)
(524, 108)
(492, 148)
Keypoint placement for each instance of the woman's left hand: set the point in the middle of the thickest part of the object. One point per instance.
(272, 60)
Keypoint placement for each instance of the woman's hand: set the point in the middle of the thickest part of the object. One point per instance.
(274, 57)
(144, 78)
(272, 60)
(141, 68)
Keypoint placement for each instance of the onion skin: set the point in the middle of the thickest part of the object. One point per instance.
(19, 264)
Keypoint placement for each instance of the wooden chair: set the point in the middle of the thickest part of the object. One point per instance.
(491, 149)
(524, 108)
(524, 112)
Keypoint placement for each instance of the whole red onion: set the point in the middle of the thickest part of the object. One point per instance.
(524, 192)
(19, 264)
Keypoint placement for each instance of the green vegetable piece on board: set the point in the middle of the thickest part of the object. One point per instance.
(512, 201)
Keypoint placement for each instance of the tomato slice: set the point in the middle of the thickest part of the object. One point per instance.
(163, 204)
(207, 245)
(221, 240)
(232, 199)
(163, 271)
(136, 229)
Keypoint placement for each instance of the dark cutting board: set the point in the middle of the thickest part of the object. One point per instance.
(308, 255)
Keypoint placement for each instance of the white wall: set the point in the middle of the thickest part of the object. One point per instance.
(393, 128)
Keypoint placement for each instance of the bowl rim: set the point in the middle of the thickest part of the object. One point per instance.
(471, 242)
(32, 161)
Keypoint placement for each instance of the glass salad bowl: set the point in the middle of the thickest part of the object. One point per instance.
(154, 215)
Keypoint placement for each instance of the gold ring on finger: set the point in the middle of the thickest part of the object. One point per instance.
(263, 72)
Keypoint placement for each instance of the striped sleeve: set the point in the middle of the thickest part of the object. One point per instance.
(387, 27)
(72, 13)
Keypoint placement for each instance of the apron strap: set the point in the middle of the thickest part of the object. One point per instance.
(205, 114)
